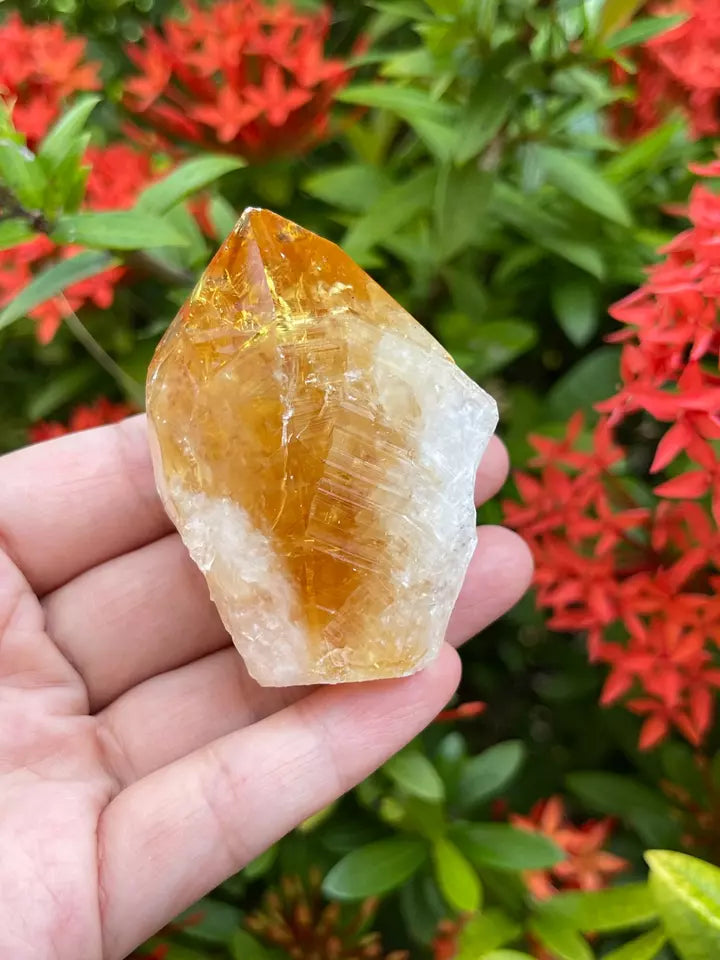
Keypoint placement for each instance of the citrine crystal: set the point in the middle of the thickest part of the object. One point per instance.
(316, 449)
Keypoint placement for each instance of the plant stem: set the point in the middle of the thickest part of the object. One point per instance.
(78, 329)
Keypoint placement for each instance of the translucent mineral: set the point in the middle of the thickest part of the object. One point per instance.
(316, 449)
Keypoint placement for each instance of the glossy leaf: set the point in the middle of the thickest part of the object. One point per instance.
(593, 378)
(374, 869)
(612, 794)
(583, 183)
(645, 947)
(14, 231)
(575, 302)
(485, 932)
(21, 174)
(485, 775)
(616, 13)
(642, 30)
(244, 946)
(60, 389)
(349, 187)
(54, 280)
(603, 911)
(560, 939)
(687, 891)
(506, 955)
(118, 230)
(461, 200)
(456, 878)
(63, 137)
(506, 848)
(489, 107)
(412, 771)
(185, 180)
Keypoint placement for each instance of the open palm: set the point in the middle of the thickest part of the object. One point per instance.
(139, 764)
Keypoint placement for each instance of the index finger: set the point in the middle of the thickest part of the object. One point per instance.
(72, 503)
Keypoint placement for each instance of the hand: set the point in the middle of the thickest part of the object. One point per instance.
(140, 766)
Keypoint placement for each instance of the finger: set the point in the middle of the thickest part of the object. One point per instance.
(134, 617)
(499, 574)
(179, 711)
(149, 611)
(493, 471)
(77, 501)
(223, 805)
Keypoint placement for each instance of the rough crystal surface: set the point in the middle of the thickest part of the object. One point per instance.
(316, 448)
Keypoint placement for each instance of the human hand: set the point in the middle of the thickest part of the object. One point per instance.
(140, 765)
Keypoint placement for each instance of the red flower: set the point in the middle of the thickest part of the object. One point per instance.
(82, 418)
(587, 865)
(680, 67)
(242, 74)
(645, 575)
(40, 68)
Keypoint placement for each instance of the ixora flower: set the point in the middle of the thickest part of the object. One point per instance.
(100, 412)
(247, 76)
(41, 66)
(680, 67)
(641, 580)
(296, 918)
(587, 865)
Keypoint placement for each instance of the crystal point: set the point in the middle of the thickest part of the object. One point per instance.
(316, 449)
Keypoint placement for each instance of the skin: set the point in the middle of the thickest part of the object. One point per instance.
(140, 766)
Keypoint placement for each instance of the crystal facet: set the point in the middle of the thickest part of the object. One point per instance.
(316, 449)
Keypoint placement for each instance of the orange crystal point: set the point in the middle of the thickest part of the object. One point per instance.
(317, 450)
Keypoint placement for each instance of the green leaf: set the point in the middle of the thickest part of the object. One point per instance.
(59, 390)
(372, 870)
(645, 947)
(412, 771)
(644, 153)
(616, 13)
(583, 184)
(14, 231)
(210, 921)
(461, 200)
(603, 911)
(393, 209)
(485, 775)
(456, 878)
(642, 808)
(118, 230)
(63, 136)
(575, 302)
(498, 342)
(348, 187)
(547, 231)
(484, 933)
(244, 946)
(21, 174)
(422, 907)
(223, 217)
(489, 107)
(260, 865)
(433, 121)
(53, 280)
(183, 181)
(642, 30)
(506, 848)
(593, 378)
(506, 955)
(687, 891)
(560, 939)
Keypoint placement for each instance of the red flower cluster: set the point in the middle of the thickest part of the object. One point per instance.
(680, 67)
(642, 581)
(248, 76)
(40, 67)
(83, 418)
(587, 866)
